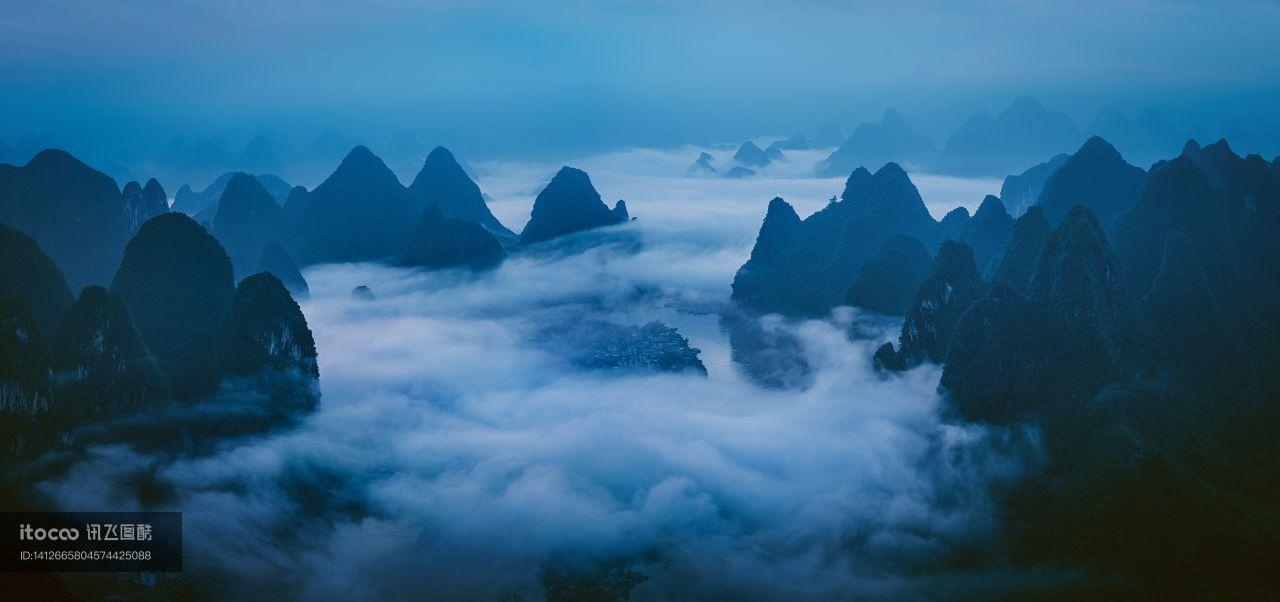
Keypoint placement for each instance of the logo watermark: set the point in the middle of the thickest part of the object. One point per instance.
(90, 541)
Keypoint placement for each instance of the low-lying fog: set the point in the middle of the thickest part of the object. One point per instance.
(454, 458)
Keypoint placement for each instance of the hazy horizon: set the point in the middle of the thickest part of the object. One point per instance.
(501, 80)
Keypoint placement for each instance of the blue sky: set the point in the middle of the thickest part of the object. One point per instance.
(518, 76)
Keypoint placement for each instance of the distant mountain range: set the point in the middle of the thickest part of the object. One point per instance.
(988, 144)
(361, 212)
(1012, 141)
(891, 140)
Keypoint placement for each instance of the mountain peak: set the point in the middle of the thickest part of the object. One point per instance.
(1025, 104)
(365, 166)
(1179, 196)
(780, 210)
(442, 155)
(828, 135)
(1077, 273)
(752, 155)
(891, 178)
(959, 213)
(241, 182)
(894, 199)
(988, 233)
(258, 155)
(856, 183)
(894, 121)
(1097, 146)
(443, 182)
(360, 212)
(1221, 146)
(891, 170)
(247, 218)
(75, 212)
(571, 176)
(54, 157)
(361, 157)
(142, 203)
(780, 222)
(568, 204)
(1095, 176)
(176, 280)
(990, 206)
(153, 186)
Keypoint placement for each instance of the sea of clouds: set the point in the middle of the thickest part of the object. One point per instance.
(454, 458)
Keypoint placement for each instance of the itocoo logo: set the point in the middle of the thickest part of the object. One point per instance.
(26, 533)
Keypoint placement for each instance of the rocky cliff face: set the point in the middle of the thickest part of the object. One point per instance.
(102, 367)
(265, 339)
(26, 392)
(142, 203)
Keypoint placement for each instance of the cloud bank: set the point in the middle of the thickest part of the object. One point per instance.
(454, 458)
